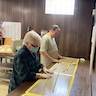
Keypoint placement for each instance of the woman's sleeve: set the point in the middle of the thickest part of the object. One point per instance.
(38, 64)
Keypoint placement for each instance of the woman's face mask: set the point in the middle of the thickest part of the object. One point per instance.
(34, 49)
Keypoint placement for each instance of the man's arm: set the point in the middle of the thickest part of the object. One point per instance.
(48, 56)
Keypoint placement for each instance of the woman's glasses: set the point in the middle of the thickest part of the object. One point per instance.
(33, 45)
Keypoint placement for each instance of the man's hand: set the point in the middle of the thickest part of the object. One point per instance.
(55, 61)
(61, 57)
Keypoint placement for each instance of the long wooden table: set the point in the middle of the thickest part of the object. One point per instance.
(59, 85)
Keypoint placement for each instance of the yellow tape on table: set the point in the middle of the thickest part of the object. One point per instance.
(31, 94)
(27, 93)
(72, 80)
(68, 60)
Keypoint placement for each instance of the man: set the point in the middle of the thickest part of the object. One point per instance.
(26, 66)
(48, 50)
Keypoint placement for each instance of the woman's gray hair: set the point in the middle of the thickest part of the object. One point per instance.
(32, 37)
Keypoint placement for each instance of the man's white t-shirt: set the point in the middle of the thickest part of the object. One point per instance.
(49, 45)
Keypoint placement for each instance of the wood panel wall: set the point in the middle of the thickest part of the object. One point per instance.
(75, 37)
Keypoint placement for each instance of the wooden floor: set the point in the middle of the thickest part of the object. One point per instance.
(82, 83)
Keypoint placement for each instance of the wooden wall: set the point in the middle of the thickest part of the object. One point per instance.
(74, 39)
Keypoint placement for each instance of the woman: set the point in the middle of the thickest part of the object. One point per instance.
(26, 65)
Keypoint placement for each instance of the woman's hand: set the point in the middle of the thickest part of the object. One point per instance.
(43, 75)
(45, 70)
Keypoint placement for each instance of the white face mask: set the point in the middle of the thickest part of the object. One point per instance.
(34, 49)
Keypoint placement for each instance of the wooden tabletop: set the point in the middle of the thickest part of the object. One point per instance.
(21, 89)
(57, 89)
(63, 80)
